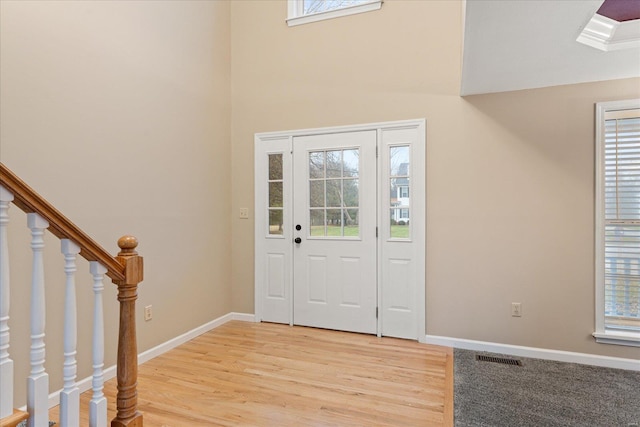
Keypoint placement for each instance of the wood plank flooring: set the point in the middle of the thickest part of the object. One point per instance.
(262, 374)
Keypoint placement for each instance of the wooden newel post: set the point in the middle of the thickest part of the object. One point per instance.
(127, 400)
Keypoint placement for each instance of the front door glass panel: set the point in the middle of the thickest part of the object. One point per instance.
(334, 197)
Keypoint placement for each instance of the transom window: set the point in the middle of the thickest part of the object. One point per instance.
(317, 6)
(305, 11)
(618, 223)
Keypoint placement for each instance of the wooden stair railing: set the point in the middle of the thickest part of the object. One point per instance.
(125, 270)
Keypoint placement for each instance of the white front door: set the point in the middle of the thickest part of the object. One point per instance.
(332, 184)
(334, 216)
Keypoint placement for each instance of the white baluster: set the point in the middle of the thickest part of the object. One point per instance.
(6, 364)
(38, 381)
(98, 404)
(70, 395)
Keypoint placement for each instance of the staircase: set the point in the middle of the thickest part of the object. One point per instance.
(125, 270)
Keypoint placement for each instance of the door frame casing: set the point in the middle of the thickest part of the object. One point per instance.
(284, 140)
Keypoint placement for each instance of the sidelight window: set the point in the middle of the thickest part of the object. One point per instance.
(275, 194)
(399, 175)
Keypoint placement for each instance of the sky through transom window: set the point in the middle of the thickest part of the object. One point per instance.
(316, 6)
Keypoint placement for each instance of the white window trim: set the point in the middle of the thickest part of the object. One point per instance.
(602, 335)
(295, 12)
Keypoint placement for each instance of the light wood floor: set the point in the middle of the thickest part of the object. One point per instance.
(262, 374)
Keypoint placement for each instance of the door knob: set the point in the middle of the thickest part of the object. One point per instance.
(298, 240)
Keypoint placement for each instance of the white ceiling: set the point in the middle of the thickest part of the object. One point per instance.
(524, 44)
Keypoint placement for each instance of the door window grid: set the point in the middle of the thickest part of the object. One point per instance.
(399, 192)
(275, 201)
(333, 193)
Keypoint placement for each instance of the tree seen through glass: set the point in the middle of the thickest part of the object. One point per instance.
(276, 205)
(334, 193)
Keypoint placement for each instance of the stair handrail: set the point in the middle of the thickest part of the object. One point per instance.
(29, 201)
(125, 270)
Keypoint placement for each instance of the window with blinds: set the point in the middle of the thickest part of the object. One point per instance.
(619, 221)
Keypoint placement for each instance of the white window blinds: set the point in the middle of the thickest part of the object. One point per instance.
(622, 220)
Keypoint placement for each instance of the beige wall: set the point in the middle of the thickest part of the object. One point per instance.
(510, 177)
(119, 113)
(138, 117)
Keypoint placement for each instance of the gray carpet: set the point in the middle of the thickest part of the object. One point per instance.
(542, 393)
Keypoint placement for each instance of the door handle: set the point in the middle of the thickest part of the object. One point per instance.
(297, 240)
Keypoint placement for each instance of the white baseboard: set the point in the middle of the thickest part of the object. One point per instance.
(110, 372)
(536, 353)
(188, 336)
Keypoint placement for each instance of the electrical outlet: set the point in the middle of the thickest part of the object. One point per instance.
(148, 313)
(516, 309)
(244, 213)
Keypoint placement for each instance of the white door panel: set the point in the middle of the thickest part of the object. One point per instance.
(334, 203)
(273, 230)
(402, 233)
